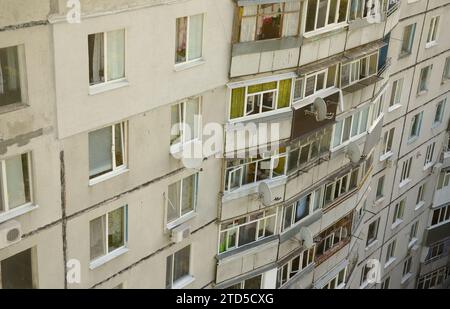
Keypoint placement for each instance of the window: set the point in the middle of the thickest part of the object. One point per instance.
(351, 127)
(372, 232)
(433, 279)
(313, 83)
(433, 30)
(388, 139)
(15, 182)
(446, 73)
(429, 155)
(425, 75)
(435, 251)
(294, 266)
(323, 13)
(107, 150)
(380, 187)
(408, 39)
(341, 186)
(254, 283)
(269, 21)
(390, 252)
(440, 215)
(333, 238)
(186, 122)
(416, 125)
(407, 266)
(106, 56)
(260, 98)
(357, 70)
(241, 172)
(420, 195)
(439, 113)
(399, 211)
(301, 209)
(396, 93)
(413, 231)
(189, 38)
(182, 198)
(178, 267)
(10, 76)
(386, 283)
(444, 180)
(364, 273)
(245, 230)
(406, 170)
(337, 282)
(108, 233)
(17, 271)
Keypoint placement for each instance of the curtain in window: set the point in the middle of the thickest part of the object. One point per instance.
(188, 198)
(290, 20)
(181, 39)
(284, 93)
(97, 237)
(100, 154)
(248, 23)
(237, 102)
(116, 54)
(116, 233)
(16, 181)
(195, 36)
(96, 58)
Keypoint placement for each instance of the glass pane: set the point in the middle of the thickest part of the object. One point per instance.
(118, 144)
(173, 205)
(10, 91)
(169, 274)
(269, 21)
(176, 112)
(97, 237)
(195, 36)
(116, 229)
(100, 154)
(320, 81)
(191, 130)
(181, 263)
(332, 11)
(16, 271)
(298, 90)
(116, 54)
(18, 181)
(302, 210)
(253, 283)
(311, 15)
(189, 191)
(287, 220)
(310, 85)
(322, 14)
(247, 233)
(181, 40)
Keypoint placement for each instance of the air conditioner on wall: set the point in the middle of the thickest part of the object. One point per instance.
(180, 233)
(10, 233)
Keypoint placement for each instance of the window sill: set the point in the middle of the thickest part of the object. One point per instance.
(108, 86)
(420, 205)
(422, 92)
(404, 55)
(428, 166)
(379, 200)
(12, 107)
(371, 245)
(187, 217)
(396, 223)
(406, 278)
(105, 177)
(16, 212)
(404, 183)
(386, 156)
(106, 258)
(431, 44)
(394, 107)
(324, 30)
(389, 263)
(183, 282)
(412, 243)
(438, 225)
(188, 65)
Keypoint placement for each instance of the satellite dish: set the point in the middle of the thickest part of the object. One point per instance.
(265, 193)
(353, 153)
(192, 163)
(307, 237)
(320, 107)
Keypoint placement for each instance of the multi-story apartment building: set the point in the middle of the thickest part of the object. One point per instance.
(330, 167)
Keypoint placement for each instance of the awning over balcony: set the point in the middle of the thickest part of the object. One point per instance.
(363, 50)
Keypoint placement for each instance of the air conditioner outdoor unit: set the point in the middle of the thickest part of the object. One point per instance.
(10, 233)
(180, 233)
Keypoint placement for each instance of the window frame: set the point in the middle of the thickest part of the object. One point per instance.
(182, 114)
(173, 223)
(189, 61)
(399, 212)
(415, 134)
(433, 31)
(175, 283)
(327, 26)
